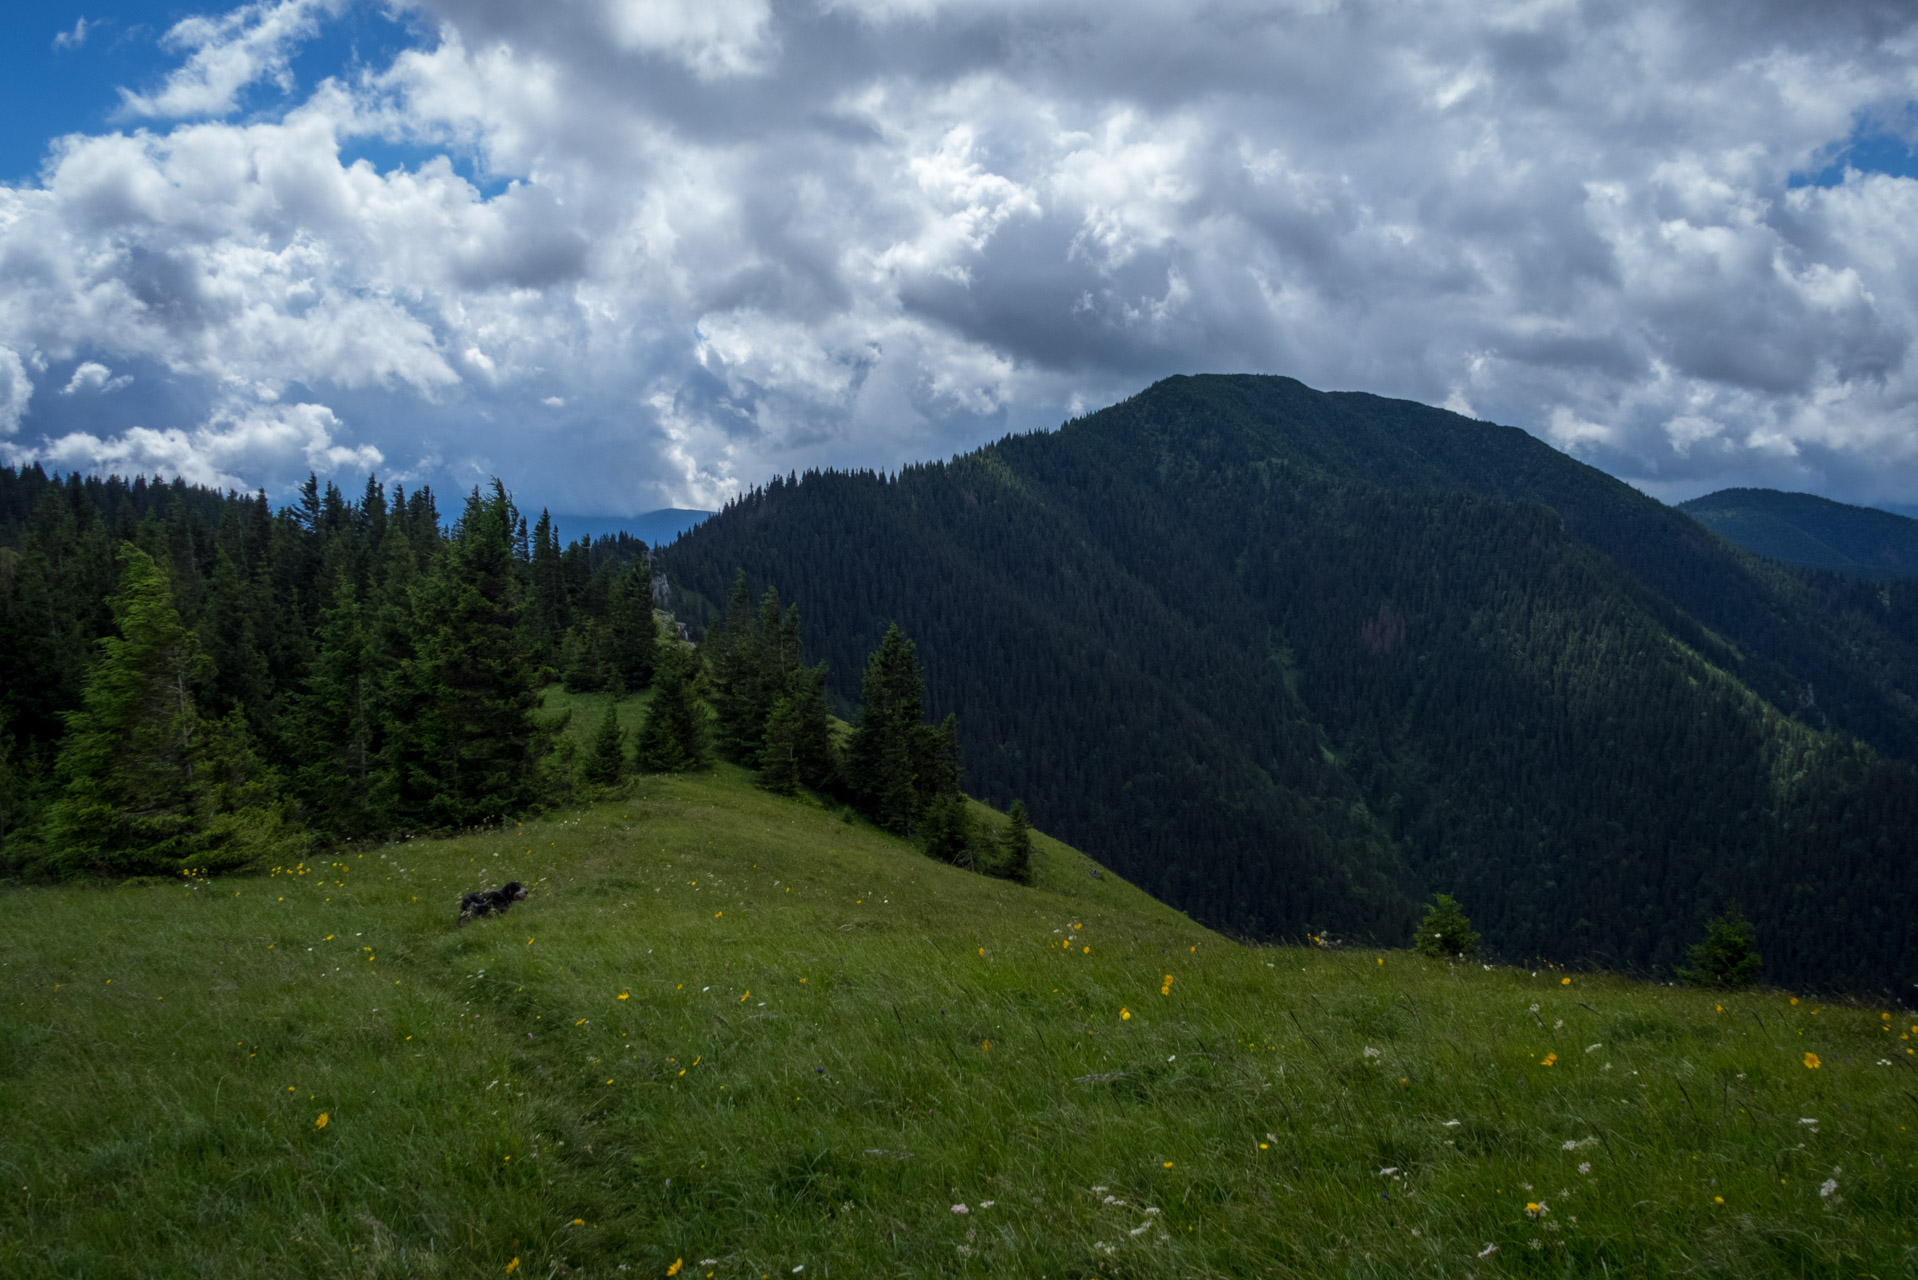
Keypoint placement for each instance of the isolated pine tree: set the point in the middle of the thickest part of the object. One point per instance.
(606, 762)
(1016, 844)
(1728, 955)
(1445, 931)
(672, 738)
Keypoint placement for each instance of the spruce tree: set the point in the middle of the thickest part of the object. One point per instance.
(946, 828)
(632, 630)
(779, 752)
(606, 762)
(1728, 954)
(480, 742)
(1445, 932)
(735, 656)
(1016, 844)
(584, 657)
(815, 758)
(548, 615)
(334, 721)
(126, 765)
(882, 752)
(148, 785)
(672, 738)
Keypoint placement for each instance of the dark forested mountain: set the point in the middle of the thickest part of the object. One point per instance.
(1294, 660)
(1804, 529)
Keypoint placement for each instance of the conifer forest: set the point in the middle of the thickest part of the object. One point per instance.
(1292, 662)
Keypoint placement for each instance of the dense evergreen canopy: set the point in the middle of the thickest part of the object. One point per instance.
(1293, 660)
(193, 681)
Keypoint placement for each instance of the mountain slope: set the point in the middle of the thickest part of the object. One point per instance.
(730, 1035)
(1804, 529)
(1293, 660)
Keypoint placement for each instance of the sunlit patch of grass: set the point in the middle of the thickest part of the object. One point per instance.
(732, 1027)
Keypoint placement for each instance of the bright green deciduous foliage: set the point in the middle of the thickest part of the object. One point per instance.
(672, 739)
(148, 787)
(606, 762)
(1728, 955)
(1016, 844)
(1445, 931)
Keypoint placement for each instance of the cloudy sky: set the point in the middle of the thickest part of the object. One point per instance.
(639, 253)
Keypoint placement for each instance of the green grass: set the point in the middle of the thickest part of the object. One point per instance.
(728, 1026)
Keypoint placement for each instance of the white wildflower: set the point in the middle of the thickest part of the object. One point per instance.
(1370, 1052)
(1584, 1166)
(1488, 1250)
(959, 1208)
(1827, 1188)
(1569, 1145)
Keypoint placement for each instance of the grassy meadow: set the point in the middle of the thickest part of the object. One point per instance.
(738, 1036)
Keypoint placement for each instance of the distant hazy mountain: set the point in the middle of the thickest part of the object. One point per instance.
(1288, 659)
(655, 528)
(1801, 528)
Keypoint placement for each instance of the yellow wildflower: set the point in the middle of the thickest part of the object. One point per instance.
(321, 1122)
(512, 1266)
(1125, 1014)
(1811, 1061)
(677, 1264)
(1548, 1060)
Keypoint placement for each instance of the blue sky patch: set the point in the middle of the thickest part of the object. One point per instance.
(1868, 150)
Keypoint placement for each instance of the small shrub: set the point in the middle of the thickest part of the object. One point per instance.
(1728, 956)
(1446, 932)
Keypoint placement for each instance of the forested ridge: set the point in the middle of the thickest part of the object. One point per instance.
(1804, 529)
(1293, 661)
(191, 681)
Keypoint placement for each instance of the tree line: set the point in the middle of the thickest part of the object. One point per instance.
(195, 680)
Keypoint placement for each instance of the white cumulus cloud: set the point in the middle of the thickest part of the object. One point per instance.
(733, 238)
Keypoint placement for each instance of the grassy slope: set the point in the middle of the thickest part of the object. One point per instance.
(733, 1027)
